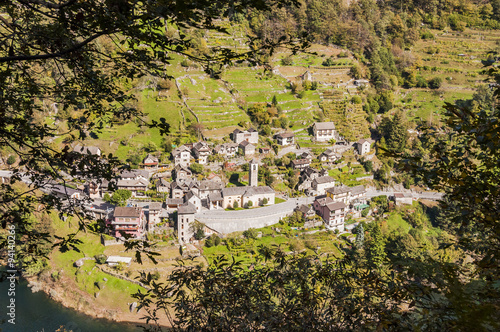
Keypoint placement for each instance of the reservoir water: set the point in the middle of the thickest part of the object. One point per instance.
(37, 312)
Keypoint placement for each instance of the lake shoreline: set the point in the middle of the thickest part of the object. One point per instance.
(66, 293)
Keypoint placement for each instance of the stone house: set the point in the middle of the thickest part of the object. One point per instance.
(403, 198)
(307, 211)
(154, 213)
(181, 172)
(207, 187)
(247, 148)
(227, 149)
(93, 189)
(243, 195)
(193, 198)
(179, 188)
(333, 213)
(150, 162)
(137, 187)
(181, 156)
(63, 192)
(185, 220)
(129, 220)
(172, 204)
(300, 163)
(324, 131)
(215, 200)
(201, 151)
(348, 195)
(251, 135)
(134, 174)
(322, 183)
(305, 155)
(285, 139)
(162, 186)
(329, 156)
(363, 146)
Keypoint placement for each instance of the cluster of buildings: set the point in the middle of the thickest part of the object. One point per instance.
(188, 195)
(336, 204)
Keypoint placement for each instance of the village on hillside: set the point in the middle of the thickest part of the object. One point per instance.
(177, 197)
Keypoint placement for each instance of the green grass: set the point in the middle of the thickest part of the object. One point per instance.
(395, 223)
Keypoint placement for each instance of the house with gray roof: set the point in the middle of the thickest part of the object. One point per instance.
(251, 135)
(324, 131)
(286, 138)
(348, 195)
(363, 146)
(185, 220)
(333, 213)
(322, 183)
(207, 187)
(247, 148)
(87, 150)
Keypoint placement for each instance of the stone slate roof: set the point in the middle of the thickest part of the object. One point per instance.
(201, 146)
(244, 144)
(251, 130)
(154, 160)
(174, 201)
(323, 200)
(324, 179)
(133, 183)
(328, 152)
(304, 208)
(162, 182)
(362, 141)
(186, 208)
(344, 189)
(211, 185)
(127, 211)
(155, 206)
(301, 162)
(333, 206)
(286, 135)
(86, 149)
(180, 149)
(246, 191)
(212, 197)
(134, 173)
(325, 125)
(184, 184)
(60, 189)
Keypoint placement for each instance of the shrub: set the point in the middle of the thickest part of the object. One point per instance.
(156, 275)
(435, 83)
(250, 233)
(287, 61)
(100, 259)
(265, 201)
(235, 205)
(11, 160)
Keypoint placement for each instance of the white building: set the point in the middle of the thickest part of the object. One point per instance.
(185, 219)
(363, 146)
(201, 151)
(324, 131)
(285, 139)
(322, 183)
(181, 156)
(259, 196)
